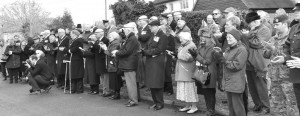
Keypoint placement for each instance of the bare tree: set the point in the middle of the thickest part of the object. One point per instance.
(25, 16)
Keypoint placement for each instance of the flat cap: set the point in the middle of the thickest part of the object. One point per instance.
(143, 17)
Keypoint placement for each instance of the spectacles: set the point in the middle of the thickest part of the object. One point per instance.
(215, 13)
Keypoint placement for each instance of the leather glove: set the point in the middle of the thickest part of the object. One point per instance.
(193, 53)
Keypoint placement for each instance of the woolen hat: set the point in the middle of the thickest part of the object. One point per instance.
(252, 16)
(236, 34)
(105, 21)
(280, 18)
(78, 26)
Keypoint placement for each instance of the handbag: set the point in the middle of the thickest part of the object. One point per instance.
(4, 57)
(202, 75)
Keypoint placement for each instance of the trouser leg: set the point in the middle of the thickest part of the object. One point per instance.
(73, 85)
(252, 87)
(79, 85)
(130, 78)
(3, 70)
(138, 90)
(245, 98)
(236, 107)
(296, 87)
(210, 98)
(168, 87)
(42, 82)
(33, 83)
(157, 96)
(60, 80)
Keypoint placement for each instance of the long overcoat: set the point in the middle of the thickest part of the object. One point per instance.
(156, 60)
(100, 56)
(13, 60)
(61, 55)
(76, 58)
(90, 70)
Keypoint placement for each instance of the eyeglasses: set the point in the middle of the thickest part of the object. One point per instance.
(215, 13)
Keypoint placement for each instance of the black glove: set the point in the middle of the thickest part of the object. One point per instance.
(193, 53)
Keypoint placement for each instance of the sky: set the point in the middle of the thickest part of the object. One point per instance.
(82, 11)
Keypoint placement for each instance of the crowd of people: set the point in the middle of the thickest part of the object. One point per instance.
(240, 53)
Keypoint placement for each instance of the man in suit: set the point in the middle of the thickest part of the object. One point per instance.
(100, 62)
(155, 64)
(40, 75)
(63, 45)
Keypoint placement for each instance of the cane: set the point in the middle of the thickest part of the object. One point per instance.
(70, 74)
(66, 74)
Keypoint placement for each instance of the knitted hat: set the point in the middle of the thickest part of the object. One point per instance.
(252, 16)
(236, 34)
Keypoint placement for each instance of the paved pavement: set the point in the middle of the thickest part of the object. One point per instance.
(16, 101)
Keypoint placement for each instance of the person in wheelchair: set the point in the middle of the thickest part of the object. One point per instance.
(39, 76)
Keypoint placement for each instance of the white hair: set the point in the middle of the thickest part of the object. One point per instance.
(263, 14)
(60, 30)
(185, 35)
(114, 35)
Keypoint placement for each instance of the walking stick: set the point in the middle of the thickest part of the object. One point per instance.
(66, 74)
(70, 74)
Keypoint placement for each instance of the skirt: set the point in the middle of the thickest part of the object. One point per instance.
(115, 81)
(187, 91)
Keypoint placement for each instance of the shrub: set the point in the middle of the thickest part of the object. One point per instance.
(193, 21)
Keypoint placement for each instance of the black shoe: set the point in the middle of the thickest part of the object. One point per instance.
(265, 110)
(47, 89)
(106, 94)
(91, 92)
(115, 97)
(256, 109)
(11, 82)
(94, 93)
(158, 107)
(131, 104)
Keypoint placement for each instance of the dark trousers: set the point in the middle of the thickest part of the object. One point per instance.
(296, 87)
(258, 89)
(95, 88)
(13, 74)
(38, 82)
(77, 85)
(210, 98)
(168, 87)
(157, 96)
(60, 80)
(3, 69)
(245, 98)
(235, 104)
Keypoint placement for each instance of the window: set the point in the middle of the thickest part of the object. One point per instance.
(184, 4)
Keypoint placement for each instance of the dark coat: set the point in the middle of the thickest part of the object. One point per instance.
(206, 57)
(61, 55)
(234, 69)
(100, 56)
(36, 46)
(90, 67)
(144, 34)
(128, 53)
(156, 60)
(292, 48)
(42, 69)
(112, 64)
(13, 60)
(76, 58)
(51, 57)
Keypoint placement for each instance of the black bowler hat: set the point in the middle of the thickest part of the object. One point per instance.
(78, 26)
(154, 23)
(252, 16)
(105, 21)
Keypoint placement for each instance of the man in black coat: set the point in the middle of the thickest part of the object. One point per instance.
(63, 46)
(40, 75)
(155, 64)
(76, 70)
(144, 34)
(100, 61)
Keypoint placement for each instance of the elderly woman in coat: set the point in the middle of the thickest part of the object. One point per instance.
(13, 62)
(234, 71)
(3, 62)
(206, 57)
(115, 80)
(90, 70)
(185, 67)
